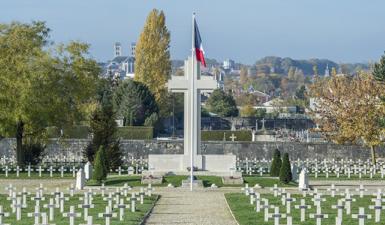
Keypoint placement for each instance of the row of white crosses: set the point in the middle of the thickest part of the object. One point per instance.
(114, 200)
(327, 167)
(343, 205)
(39, 170)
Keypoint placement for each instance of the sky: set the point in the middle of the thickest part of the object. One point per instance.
(242, 30)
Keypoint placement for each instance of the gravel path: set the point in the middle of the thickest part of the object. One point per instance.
(202, 206)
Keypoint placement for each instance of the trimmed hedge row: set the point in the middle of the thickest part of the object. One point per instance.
(218, 135)
(80, 132)
(135, 132)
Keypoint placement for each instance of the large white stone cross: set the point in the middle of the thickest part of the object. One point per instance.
(192, 103)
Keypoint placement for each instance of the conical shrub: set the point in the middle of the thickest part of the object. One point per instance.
(100, 170)
(285, 175)
(276, 164)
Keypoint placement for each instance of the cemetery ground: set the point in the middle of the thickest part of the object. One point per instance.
(59, 219)
(245, 213)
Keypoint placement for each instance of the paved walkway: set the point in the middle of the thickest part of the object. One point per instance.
(180, 206)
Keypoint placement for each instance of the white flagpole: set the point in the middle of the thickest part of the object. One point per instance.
(193, 134)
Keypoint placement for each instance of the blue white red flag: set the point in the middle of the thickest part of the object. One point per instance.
(199, 52)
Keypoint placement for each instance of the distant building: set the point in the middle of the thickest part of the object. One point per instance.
(117, 49)
(228, 64)
(275, 105)
(121, 67)
(133, 48)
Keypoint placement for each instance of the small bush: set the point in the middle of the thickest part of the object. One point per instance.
(33, 152)
(285, 175)
(276, 164)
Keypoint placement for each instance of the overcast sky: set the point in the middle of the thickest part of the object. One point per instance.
(244, 30)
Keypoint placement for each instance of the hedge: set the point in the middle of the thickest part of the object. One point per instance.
(76, 132)
(217, 135)
(135, 132)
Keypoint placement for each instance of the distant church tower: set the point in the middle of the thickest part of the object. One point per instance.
(117, 49)
(133, 48)
(327, 73)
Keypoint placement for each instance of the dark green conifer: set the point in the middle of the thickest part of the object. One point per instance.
(276, 164)
(285, 175)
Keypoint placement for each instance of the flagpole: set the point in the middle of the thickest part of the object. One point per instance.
(192, 104)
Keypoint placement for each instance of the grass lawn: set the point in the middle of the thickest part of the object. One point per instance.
(135, 181)
(266, 181)
(245, 213)
(129, 217)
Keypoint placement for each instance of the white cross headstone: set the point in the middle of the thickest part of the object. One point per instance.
(266, 208)
(361, 216)
(86, 206)
(51, 206)
(121, 206)
(340, 207)
(18, 206)
(348, 202)
(361, 190)
(318, 216)
(377, 207)
(109, 199)
(2, 215)
(107, 215)
(288, 201)
(332, 190)
(233, 137)
(133, 200)
(62, 199)
(302, 207)
(72, 215)
(36, 214)
(277, 216)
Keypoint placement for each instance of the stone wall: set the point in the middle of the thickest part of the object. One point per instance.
(141, 148)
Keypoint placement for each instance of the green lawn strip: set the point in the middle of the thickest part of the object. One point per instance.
(135, 181)
(245, 213)
(266, 181)
(34, 175)
(100, 205)
(176, 181)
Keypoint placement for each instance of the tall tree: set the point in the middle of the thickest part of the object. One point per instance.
(349, 110)
(248, 111)
(222, 103)
(152, 63)
(104, 128)
(134, 102)
(41, 86)
(243, 77)
(379, 69)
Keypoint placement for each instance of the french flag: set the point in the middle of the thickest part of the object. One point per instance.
(199, 52)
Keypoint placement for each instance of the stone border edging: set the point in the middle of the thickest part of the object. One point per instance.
(150, 211)
(231, 212)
